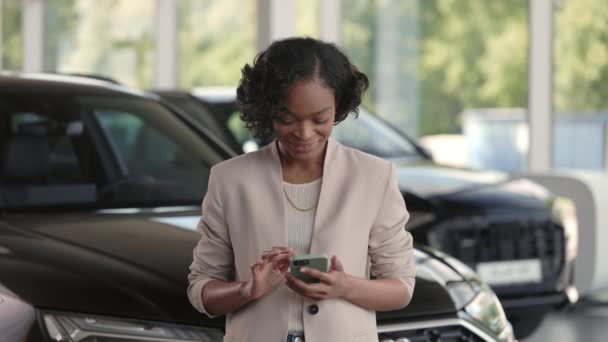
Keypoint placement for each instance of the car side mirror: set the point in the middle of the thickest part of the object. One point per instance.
(425, 152)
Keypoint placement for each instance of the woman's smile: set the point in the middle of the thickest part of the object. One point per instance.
(306, 121)
(302, 147)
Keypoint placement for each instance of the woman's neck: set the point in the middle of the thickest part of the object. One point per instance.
(301, 171)
(296, 175)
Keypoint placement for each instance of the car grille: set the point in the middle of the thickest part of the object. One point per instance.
(474, 241)
(456, 333)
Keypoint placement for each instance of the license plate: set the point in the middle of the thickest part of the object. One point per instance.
(510, 272)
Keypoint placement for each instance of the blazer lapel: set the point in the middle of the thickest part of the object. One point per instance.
(275, 187)
(328, 196)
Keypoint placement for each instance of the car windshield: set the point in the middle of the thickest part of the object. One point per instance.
(365, 132)
(374, 136)
(105, 152)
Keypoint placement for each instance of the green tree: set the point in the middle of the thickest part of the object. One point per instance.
(470, 54)
(473, 54)
(216, 38)
(12, 41)
(107, 37)
(358, 36)
(581, 56)
(60, 19)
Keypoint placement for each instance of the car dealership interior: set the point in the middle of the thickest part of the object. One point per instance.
(494, 115)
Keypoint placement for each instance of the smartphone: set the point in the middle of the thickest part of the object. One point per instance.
(318, 262)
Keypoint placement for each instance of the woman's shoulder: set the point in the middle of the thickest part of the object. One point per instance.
(362, 159)
(242, 164)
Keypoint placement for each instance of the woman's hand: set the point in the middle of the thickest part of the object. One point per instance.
(334, 284)
(268, 273)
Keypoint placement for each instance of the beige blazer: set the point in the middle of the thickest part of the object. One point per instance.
(361, 214)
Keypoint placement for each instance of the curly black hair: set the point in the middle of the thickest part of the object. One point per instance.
(264, 85)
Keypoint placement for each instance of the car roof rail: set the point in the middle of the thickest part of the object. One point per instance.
(93, 76)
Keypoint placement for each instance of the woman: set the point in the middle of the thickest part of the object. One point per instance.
(303, 193)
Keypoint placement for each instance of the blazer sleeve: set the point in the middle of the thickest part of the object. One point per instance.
(213, 257)
(390, 245)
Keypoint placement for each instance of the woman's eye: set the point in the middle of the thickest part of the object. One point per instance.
(320, 122)
(284, 120)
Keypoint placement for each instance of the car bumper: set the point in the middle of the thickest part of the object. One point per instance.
(549, 301)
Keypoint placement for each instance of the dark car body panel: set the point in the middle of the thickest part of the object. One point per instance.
(83, 267)
(128, 265)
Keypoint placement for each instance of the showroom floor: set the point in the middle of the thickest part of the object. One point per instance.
(585, 322)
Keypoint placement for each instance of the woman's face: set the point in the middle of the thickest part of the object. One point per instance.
(306, 121)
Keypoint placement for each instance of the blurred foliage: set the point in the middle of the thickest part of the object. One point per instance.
(473, 54)
(60, 20)
(581, 56)
(215, 40)
(358, 33)
(79, 39)
(12, 39)
(468, 53)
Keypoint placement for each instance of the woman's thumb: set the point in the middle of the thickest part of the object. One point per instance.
(336, 265)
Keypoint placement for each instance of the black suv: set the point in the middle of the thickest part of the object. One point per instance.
(509, 231)
(100, 194)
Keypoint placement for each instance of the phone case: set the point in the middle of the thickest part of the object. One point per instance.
(319, 262)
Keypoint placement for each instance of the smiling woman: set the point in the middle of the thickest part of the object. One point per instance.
(305, 124)
(297, 90)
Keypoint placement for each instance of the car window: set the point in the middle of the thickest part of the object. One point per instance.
(141, 148)
(238, 129)
(100, 151)
(366, 133)
(43, 132)
(371, 135)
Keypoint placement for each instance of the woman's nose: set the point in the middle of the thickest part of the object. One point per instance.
(305, 131)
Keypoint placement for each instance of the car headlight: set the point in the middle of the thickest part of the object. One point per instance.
(68, 327)
(478, 300)
(486, 308)
(563, 211)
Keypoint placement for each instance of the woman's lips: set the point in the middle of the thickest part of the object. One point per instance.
(301, 148)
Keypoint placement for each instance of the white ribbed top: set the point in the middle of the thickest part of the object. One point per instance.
(299, 234)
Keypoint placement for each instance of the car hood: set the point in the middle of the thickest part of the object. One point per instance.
(128, 265)
(466, 189)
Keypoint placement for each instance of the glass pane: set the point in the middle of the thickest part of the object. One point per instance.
(12, 39)
(432, 63)
(216, 38)
(102, 151)
(46, 160)
(580, 139)
(308, 18)
(157, 157)
(77, 39)
(362, 133)
(143, 149)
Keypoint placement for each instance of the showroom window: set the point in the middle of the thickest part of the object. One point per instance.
(215, 40)
(77, 39)
(580, 101)
(451, 72)
(10, 34)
